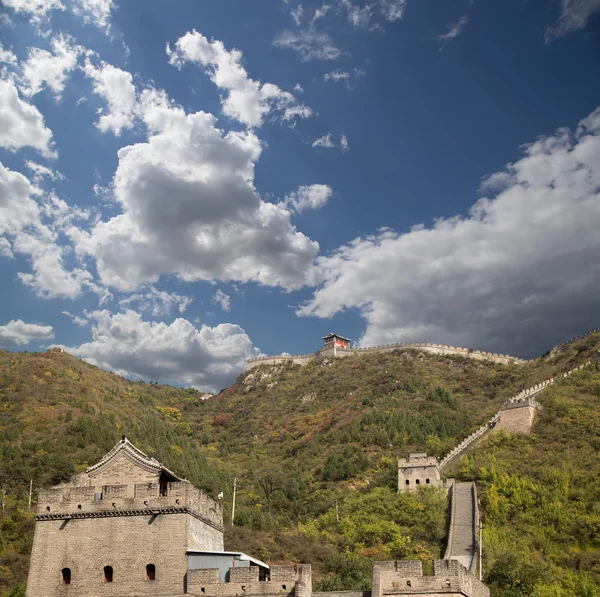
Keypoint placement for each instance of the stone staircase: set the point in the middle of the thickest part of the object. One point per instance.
(464, 521)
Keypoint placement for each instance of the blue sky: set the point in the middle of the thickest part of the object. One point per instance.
(184, 185)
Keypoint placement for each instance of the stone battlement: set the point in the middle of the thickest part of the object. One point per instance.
(406, 577)
(338, 351)
(292, 580)
(68, 501)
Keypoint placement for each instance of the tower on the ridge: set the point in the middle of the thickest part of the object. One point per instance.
(332, 343)
(418, 470)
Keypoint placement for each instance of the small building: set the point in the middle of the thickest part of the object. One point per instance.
(335, 340)
(224, 561)
(417, 470)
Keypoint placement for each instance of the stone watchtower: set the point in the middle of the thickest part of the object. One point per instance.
(518, 415)
(123, 527)
(416, 470)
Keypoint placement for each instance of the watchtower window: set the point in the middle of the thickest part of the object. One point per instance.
(66, 576)
(407, 482)
(417, 481)
(150, 572)
(108, 574)
(426, 480)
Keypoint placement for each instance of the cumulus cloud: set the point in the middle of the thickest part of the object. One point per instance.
(21, 123)
(222, 299)
(7, 56)
(344, 145)
(157, 302)
(310, 44)
(19, 333)
(49, 68)
(454, 30)
(208, 358)
(116, 87)
(311, 196)
(247, 100)
(574, 16)
(189, 208)
(38, 9)
(23, 231)
(516, 274)
(94, 11)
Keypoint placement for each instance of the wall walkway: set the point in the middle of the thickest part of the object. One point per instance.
(520, 397)
(463, 544)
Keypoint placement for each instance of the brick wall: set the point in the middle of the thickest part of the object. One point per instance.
(286, 581)
(405, 577)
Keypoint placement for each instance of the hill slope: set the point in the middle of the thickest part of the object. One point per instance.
(314, 447)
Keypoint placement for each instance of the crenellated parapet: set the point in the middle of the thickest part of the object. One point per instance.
(293, 580)
(68, 502)
(405, 577)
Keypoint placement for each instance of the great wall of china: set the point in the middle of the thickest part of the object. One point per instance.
(524, 397)
(303, 359)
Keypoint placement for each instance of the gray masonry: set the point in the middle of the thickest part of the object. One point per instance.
(418, 470)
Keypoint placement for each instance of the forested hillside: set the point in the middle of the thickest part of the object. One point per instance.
(314, 449)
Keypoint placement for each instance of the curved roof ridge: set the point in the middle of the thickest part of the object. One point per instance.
(141, 458)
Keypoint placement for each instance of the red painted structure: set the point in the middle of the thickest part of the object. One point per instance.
(332, 340)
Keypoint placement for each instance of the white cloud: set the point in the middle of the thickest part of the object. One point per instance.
(76, 319)
(515, 275)
(94, 11)
(454, 30)
(157, 302)
(208, 358)
(308, 197)
(41, 172)
(297, 13)
(247, 100)
(298, 88)
(116, 87)
(339, 76)
(38, 9)
(22, 227)
(392, 10)
(574, 16)
(321, 12)
(309, 44)
(51, 69)
(189, 208)
(7, 56)
(358, 17)
(222, 299)
(324, 141)
(19, 333)
(22, 124)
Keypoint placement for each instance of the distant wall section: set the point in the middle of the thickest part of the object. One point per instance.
(340, 352)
